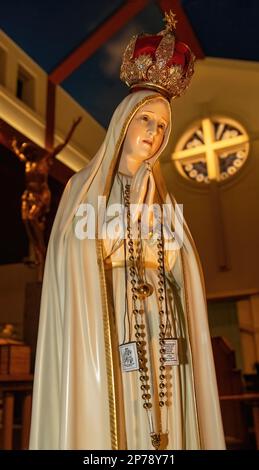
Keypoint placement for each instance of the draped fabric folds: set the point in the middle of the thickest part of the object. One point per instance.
(81, 399)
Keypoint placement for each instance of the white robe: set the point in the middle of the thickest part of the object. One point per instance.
(80, 397)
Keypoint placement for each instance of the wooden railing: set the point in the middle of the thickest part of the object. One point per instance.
(10, 387)
(251, 399)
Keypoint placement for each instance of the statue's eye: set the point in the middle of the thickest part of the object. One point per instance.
(161, 126)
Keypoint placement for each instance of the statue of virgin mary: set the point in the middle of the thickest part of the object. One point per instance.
(124, 357)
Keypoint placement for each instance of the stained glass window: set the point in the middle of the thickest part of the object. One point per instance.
(212, 149)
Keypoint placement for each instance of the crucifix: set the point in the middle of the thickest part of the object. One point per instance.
(36, 198)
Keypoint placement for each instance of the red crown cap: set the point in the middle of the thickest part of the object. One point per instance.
(158, 62)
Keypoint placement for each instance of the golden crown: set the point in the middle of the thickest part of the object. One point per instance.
(158, 62)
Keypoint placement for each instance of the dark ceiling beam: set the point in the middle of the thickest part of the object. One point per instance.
(97, 39)
(184, 29)
(50, 114)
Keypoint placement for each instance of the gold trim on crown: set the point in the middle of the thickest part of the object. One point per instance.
(146, 72)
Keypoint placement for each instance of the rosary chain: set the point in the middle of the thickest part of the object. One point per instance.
(139, 326)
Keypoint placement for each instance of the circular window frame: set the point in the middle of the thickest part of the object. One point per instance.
(243, 143)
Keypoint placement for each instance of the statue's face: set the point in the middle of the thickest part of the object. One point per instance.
(146, 130)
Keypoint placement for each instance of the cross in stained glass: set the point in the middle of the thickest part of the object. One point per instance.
(213, 150)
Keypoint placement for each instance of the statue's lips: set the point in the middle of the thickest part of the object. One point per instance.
(149, 142)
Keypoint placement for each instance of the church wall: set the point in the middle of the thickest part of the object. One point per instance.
(223, 321)
(13, 280)
(247, 310)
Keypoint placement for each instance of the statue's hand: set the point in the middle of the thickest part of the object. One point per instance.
(151, 189)
(142, 190)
